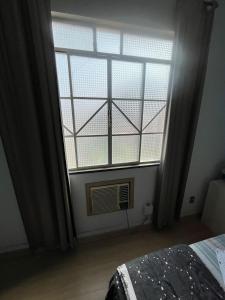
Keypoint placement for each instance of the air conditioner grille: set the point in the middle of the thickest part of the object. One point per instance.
(124, 193)
(104, 199)
(109, 196)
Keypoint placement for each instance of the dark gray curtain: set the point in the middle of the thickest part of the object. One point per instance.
(30, 123)
(193, 31)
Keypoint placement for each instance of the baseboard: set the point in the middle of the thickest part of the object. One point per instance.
(113, 233)
(14, 248)
(191, 212)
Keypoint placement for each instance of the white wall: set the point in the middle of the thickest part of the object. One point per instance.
(153, 13)
(209, 149)
(208, 155)
(143, 192)
(12, 234)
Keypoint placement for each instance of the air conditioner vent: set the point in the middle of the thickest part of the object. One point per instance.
(124, 192)
(109, 196)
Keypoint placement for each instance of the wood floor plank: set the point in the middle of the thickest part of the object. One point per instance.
(84, 274)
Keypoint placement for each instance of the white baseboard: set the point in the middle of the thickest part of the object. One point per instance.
(106, 230)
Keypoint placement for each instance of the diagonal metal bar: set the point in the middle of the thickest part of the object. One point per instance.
(67, 129)
(91, 117)
(154, 117)
(126, 116)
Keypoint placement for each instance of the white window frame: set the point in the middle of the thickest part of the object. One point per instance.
(109, 58)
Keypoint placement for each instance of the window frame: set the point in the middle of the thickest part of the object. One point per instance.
(109, 57)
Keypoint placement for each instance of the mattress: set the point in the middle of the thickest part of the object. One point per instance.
(206, 251)
(192, 272)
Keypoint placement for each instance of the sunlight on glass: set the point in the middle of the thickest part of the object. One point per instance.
(62, 74)
(72, 36)
(157, 81)
(126, 79)
(144, 46)
(151, 147)
(89, 76)
(70, 153)
(84, 109)
(108, 40)
(92, 151)
(125, 148)
(113, 87)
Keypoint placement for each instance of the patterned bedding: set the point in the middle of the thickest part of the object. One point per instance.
(206, 251)
(180, 272)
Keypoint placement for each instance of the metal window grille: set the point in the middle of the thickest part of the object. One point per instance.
(113, 88)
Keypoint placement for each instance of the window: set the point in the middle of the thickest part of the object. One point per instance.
(113, 88)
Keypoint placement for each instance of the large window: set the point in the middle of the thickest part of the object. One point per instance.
(113, 87)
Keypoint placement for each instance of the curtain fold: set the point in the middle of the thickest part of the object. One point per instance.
(30, 124)
(193, 31)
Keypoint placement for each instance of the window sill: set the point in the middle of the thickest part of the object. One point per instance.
(115, 168)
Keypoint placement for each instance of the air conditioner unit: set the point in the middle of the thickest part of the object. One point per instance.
(109, 196)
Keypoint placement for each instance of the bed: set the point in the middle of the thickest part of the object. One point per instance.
(180, 272)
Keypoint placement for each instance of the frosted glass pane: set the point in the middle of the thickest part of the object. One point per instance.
(72, 36)
(120, 125)
(151, 147)
(70, 153)
(157, 125)
(89, 77)
(108, 40)
(125, 149)
(92, 151)
(62, 74)
(151, 110)
(157, 81)
(84, 110)
(144, 46)
(132, 109)
(98, 125)
(66, 114)
(126, 79)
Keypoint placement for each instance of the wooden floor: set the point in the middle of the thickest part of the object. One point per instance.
(84, 273)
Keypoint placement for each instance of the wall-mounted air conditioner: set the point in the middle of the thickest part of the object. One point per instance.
(109, 196)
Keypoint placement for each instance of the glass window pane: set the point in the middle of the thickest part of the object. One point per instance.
(84, 109)
(70, 153)
(72, 36)
(98, 125)
(125, 149)
(151, 110)
(144, 46)
(120, 125)
(157, 123)
(89, 77)
(108, 40)
(157, 81)
(151, 147)
(62, 74)
(126, 79)
(66, 114)
(92, 151)
(132, 109)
